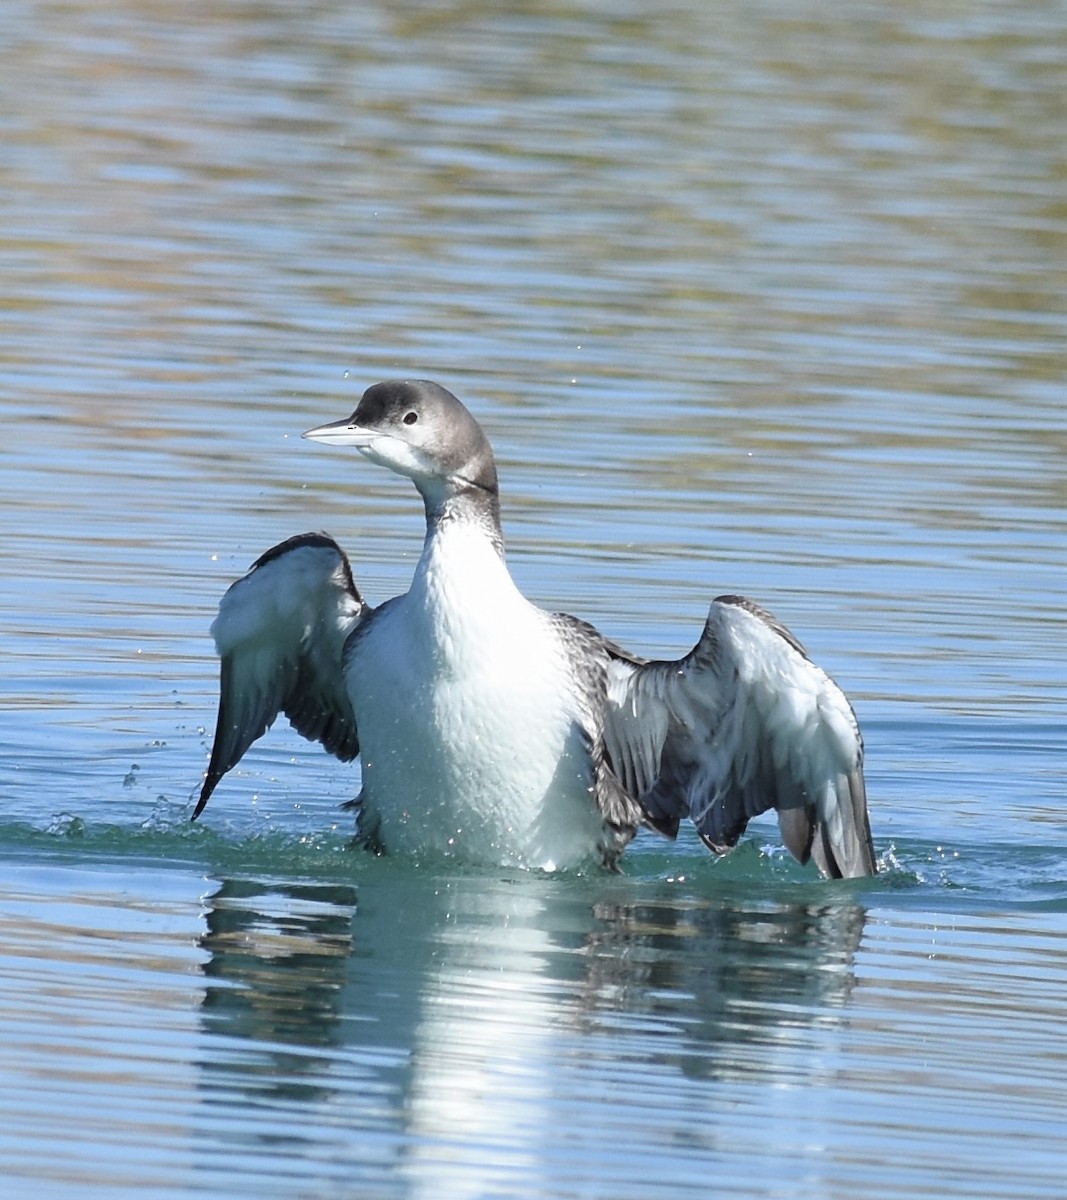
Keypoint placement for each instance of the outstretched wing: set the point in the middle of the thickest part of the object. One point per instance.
(280, 633)
(743, 723)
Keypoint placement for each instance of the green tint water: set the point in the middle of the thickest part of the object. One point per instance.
(314, 1019)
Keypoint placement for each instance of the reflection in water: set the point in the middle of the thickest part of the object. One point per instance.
(641, 1007)
(474, 1011)
(751, 974)
(276, 969)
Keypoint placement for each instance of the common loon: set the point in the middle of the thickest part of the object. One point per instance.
(495, 732)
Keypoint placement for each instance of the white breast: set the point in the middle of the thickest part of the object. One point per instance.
(468, 717)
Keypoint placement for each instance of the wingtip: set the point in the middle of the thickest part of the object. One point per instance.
(205, 795)
(797, 826)
(849, 854)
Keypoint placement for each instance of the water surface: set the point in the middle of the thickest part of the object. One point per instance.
(751, 298)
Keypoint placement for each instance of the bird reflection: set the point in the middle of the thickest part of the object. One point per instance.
(459, 1010)
(276, 962)
(743, 975)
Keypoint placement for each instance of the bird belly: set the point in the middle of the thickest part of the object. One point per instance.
(471, 744)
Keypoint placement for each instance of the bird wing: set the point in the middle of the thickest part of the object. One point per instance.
(743, 723)
(280, 633)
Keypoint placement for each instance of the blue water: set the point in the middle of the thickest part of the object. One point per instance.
(750, 298)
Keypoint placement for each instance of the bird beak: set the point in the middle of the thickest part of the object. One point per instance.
(343, 433)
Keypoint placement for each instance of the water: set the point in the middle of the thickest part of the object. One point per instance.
(764, 298)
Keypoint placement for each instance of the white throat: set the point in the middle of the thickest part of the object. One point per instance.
(463, 583)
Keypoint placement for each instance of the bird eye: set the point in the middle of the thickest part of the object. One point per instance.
(410, 418)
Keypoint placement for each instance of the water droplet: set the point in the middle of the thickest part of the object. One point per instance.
(66, 825)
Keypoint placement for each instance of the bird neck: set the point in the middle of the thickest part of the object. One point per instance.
(468, 506)
(462, 584)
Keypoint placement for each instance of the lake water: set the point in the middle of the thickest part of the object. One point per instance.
(766, 298)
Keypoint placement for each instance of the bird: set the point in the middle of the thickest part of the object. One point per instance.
(494, 732)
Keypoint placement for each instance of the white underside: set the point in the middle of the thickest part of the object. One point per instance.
(467, 719)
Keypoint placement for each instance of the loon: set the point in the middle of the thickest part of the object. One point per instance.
(494, 732)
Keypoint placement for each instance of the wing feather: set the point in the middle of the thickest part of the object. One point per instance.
(280, 633)
(744, 723)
